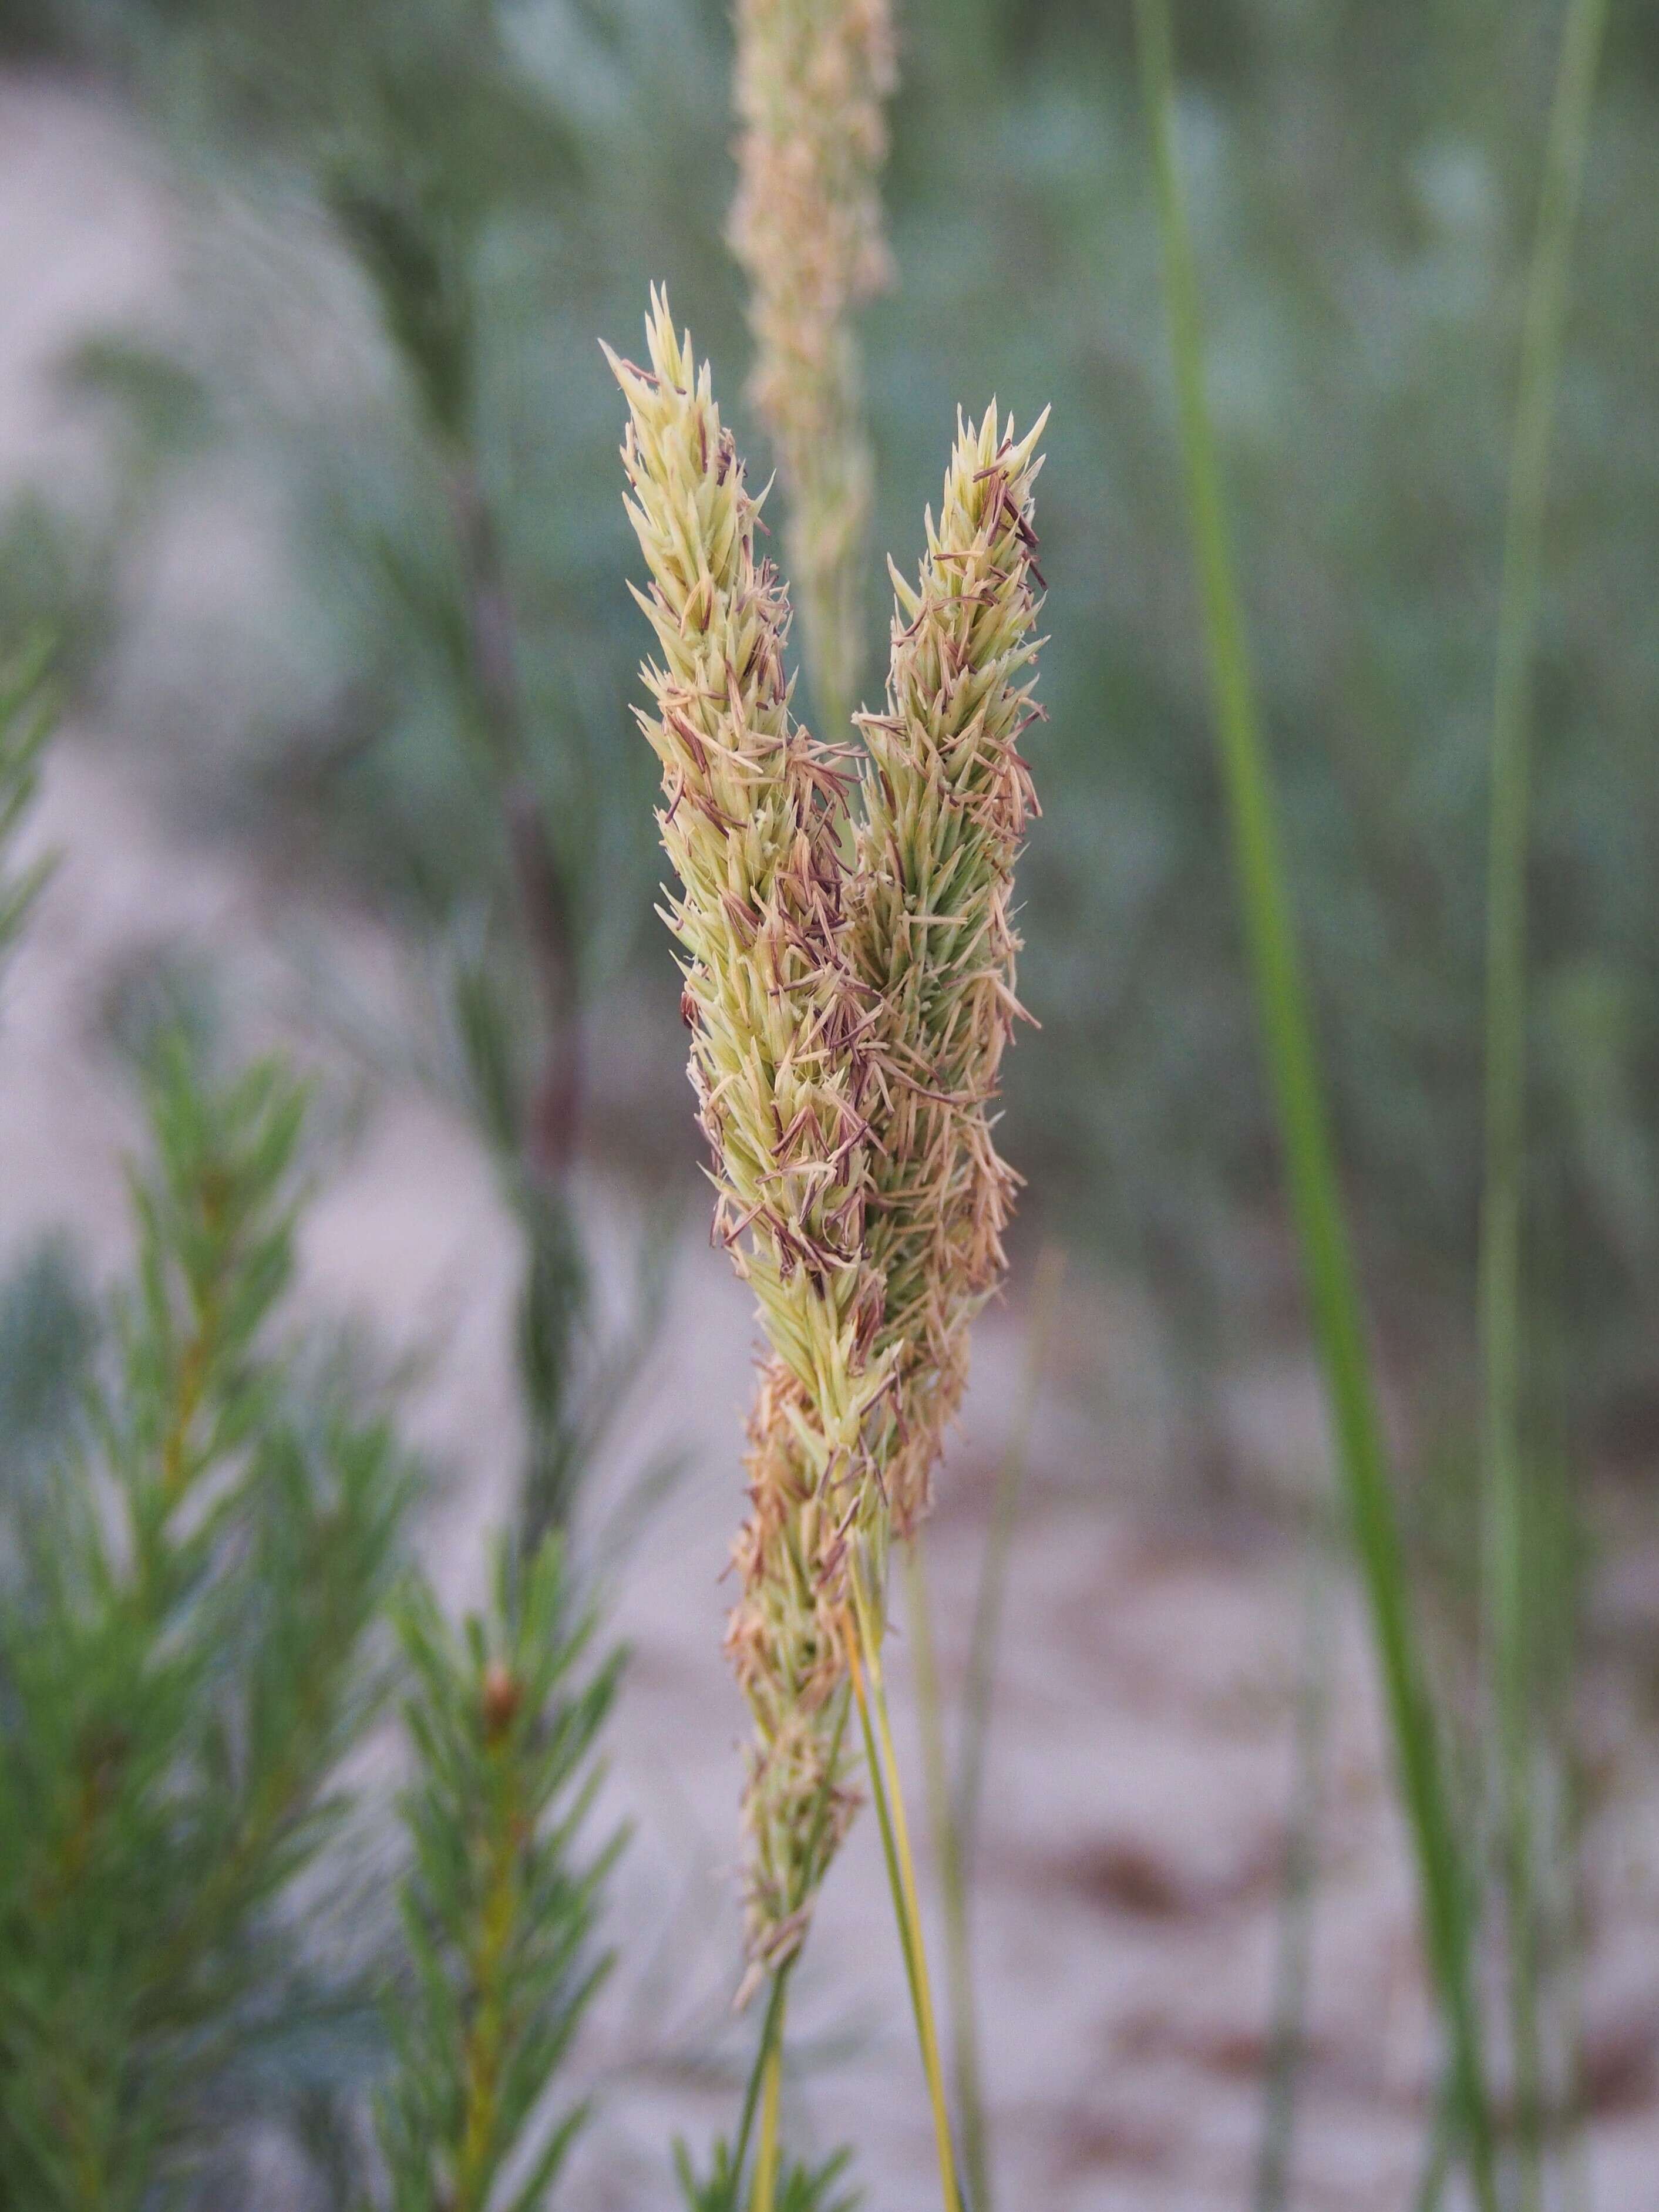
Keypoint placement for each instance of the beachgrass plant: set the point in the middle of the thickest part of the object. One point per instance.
(849, 989)
(810, 83)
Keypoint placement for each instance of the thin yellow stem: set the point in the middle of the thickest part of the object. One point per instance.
(952, 1882)
(883, 1818)
(766, 2154)
(902, 1874)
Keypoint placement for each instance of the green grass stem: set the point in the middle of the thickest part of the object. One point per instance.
(1287, 1037)
(1504, 1607)
(764, 2194)
(771, 2037)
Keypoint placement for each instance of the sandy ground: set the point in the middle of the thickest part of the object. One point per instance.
(1140, 1769)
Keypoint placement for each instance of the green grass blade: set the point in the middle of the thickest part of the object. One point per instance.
(1504, 1607)
(1287, 1033)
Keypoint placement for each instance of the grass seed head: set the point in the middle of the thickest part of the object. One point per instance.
(946, 798)
(752, 822)
(848, 1026)
(812, 77)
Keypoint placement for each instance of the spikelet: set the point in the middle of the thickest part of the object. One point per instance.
(785, 1641)
(810, 78)
(946, 796)
(752, 823)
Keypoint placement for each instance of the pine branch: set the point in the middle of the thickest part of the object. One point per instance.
(500, 1903)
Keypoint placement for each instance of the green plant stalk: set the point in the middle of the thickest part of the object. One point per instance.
(766, 2156)
(1505, 1625)
(1285, 2055)
(884, 1821)
(1287, 1038)
(770, 2036)
(946, 1836)
(864, 1660)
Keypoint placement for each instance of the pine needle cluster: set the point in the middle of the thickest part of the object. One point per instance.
(812, 77)
(847, 1017)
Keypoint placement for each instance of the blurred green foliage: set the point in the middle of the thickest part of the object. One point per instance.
(1364, 183)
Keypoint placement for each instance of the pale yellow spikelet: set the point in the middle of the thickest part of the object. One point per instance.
(946, 796)
(812, 77)
(752, 826)
(753, 823)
